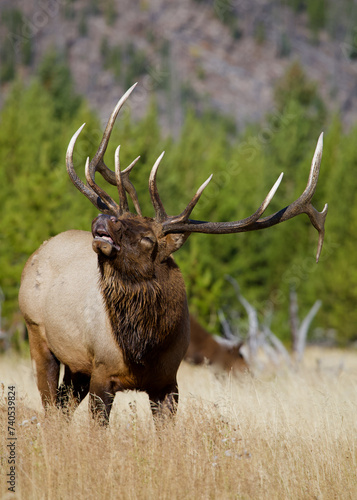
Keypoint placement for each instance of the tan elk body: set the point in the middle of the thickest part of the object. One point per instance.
(68, 322)
(111, 306)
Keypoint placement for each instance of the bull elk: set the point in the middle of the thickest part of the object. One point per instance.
(117, 317)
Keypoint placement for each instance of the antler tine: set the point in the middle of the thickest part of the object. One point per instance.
(267, 200)
(227, 227)
(92, 191)
(124, 207)
(97, 163)
(114, 208)
(183, 217)
(254, 222)
(110, 177)
(129, 186)
(314, 169)
(87, 191)
(304, 201)
(160, 214)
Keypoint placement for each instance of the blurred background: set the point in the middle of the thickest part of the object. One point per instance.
(238, 88)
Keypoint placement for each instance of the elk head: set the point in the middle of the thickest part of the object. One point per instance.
(128, 238)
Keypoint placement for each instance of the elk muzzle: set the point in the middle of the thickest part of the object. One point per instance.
(103, 239)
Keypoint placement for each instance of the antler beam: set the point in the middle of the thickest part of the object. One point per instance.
(254, 222)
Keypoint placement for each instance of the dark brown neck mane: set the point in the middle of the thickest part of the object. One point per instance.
(136, 313)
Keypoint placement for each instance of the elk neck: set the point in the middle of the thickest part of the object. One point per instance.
(136, 312)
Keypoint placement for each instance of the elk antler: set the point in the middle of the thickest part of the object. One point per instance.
(182, 224)
(92, 191)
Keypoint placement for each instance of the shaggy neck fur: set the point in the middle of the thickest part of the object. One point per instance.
(136, 313)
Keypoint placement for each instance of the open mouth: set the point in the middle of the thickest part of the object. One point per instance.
(103, 242)
(103, 235)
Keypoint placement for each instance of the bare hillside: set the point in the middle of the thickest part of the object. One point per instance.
(226, 53)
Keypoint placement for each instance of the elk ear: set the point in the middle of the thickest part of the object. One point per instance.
(170, 243)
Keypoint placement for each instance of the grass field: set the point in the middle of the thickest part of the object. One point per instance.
(281, 435)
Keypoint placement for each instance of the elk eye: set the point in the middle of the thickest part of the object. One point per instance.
(147, 241)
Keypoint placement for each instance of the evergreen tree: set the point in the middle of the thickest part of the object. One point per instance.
(39, 200)
(36, 200)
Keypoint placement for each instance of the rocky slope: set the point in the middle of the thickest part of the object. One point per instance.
(228, 53)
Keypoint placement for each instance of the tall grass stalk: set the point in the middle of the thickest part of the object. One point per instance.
(279, 436)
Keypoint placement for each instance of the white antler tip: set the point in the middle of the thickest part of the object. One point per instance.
(201, 188)
(129, 91)
(315, 164)
(155, 167)
(123, 99)
(159, 160)
(157, 163)
(76, 134)
(73, 139)
(276, 185)
(320, 143)
(207, 181)
(86, 168)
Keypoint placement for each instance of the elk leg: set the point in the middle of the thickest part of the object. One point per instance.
(101, 396)
(74, 388)
(164, 403)
(47, 365)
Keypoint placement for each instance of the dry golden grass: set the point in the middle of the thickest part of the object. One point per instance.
(279, 436)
